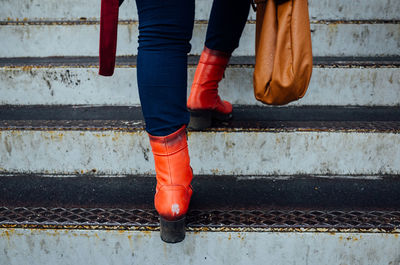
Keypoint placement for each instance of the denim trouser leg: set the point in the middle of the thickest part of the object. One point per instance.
(165, 30)
(226, 24)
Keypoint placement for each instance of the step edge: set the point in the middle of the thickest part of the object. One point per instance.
(362, 227)
(130, 61)
(84, 21)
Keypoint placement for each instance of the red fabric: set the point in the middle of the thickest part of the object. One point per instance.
(108, 36)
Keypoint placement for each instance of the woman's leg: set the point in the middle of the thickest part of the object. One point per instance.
(226, 24)
(165, 30)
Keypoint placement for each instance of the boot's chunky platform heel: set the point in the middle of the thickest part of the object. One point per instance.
(204, 103)
(202, 119)
(173, 190)
(172, 231)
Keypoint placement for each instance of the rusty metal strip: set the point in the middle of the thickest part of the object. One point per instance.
(72, 125)
(85, 21)
(356, 21)
(203, 220)
(234, 126)
(245, 118)
(130, 61)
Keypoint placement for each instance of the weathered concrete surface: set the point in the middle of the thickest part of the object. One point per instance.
(354, 10)
(212, 153)
(67, 86)
(328, 86)
(83, 39)
(42, 247)
(90, 10)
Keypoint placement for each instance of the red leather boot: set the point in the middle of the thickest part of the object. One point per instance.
(204, 102)
(173, 191)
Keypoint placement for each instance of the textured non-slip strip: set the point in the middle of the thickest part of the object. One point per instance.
(130, 61)
(203, 220)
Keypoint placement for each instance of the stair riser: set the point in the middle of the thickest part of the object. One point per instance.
(74, 10)
(74, 86)
(47, 246)
(212, 153)
(61, 40)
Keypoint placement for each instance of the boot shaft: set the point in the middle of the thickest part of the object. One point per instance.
(209, 72)
(173, 173)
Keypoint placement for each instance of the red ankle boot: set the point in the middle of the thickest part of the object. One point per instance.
(204, 102)
(173, 191)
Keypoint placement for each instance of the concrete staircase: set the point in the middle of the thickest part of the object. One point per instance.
(314, 182)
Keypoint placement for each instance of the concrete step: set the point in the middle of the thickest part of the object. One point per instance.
(258, 142)
(124, 247)
(90, 10)
(56, 220)
(336, 81)
(28, 39)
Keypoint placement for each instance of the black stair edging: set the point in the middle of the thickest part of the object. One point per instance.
(219, 203)
(91, 61)
(210, 192)
(325, 221)
(245, 118)
(240, 113)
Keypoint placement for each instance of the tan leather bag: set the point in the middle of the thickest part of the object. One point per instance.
(283, 51)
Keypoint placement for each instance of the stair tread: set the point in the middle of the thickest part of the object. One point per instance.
(271, 126)
(223, 192)
(300, 203)
(82, 61)
(368, 119)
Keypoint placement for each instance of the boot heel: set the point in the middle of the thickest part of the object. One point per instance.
(172, 231)
(200, 120)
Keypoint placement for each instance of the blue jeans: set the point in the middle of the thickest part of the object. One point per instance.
(165, 30)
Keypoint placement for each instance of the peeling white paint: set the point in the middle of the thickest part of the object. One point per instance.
(328, 86)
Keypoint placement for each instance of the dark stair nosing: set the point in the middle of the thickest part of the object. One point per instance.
(276, 220)
(83, 61)
(210, 192)
(245, 118)
(300, 203)
(85, 21)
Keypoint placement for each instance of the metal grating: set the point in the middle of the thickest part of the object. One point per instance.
(131, 61)
(237, 126)
(203, 220)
